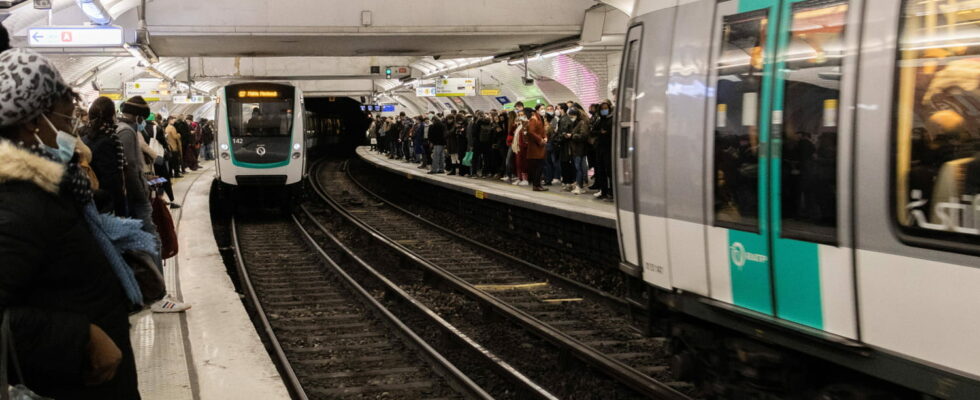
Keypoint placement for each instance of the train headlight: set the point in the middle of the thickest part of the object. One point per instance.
(224, 146)
(296, 155)
(225, 156)
(295, 146)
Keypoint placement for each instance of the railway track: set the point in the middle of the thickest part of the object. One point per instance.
(577, 319)
(330, 337)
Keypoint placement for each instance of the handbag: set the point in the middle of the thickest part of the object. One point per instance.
(468, 159)
(148, 277)
(165, 227)
(8, 353)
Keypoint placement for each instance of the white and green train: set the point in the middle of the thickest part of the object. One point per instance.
(798, 181)
(261, 140)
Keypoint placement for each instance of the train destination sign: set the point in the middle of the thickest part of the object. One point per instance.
(75, 36)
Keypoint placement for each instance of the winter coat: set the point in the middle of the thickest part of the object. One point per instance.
(108, 163)
(535, 139)
(136, 190)
(579, 145)
(55, 281)
(452, 138)
(437, 134)
(485, 128)
(173, 139)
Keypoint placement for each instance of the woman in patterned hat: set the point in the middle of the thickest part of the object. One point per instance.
(60, 288)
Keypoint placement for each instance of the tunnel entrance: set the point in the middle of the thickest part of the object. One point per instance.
(338, 124)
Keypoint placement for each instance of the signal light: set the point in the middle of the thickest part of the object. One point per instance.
(388, 73)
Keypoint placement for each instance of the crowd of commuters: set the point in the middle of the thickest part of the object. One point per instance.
(548, 145)
(78, 196)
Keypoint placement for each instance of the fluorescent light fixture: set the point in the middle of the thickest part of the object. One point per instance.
(95, 11)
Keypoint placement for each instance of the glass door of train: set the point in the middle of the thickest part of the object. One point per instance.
(780, 195)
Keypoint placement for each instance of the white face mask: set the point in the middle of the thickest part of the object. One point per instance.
(542, 112)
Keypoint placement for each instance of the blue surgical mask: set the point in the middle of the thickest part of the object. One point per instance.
(604, 113)
(66, 144)
(141, 126)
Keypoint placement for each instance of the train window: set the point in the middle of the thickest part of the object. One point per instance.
(629, 92)
(736, 159)
(260, 118)
(811, 71)
(937, 124)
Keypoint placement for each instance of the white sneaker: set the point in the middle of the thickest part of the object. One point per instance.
(566, 187)
(577, 190)
(555, 181)
(169, 305)
(597, 194)
(515, 183)
(522, 183)
(505, 179)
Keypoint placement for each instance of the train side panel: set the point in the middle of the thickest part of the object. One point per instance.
(912, 300)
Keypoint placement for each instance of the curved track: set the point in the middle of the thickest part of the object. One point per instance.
(576, 319)
(331, 338)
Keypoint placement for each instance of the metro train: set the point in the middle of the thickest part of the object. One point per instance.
(798, 193)
(261, 139)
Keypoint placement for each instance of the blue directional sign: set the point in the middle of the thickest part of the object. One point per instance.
(389, 108)
(503, 100)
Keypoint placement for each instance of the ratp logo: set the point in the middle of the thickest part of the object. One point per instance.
(260, 151)
(739, 256)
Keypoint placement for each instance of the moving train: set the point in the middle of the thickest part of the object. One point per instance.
(798, 191)
(261, 139)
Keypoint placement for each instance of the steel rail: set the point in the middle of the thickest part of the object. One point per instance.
(629, 376)
(289, 378)
(509, 372)
(456, 378)
(594, 293)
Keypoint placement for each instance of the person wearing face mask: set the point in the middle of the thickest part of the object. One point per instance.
(603, 141)
(578, 136)
(536, 141)
(134, 113)
(551, 124)
(108, 158)
(64, 295)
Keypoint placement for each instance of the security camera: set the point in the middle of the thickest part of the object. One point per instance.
(527, 81)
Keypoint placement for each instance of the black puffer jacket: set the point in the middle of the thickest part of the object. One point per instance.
(55, 281)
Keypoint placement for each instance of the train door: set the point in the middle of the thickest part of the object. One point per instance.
(780, 198)
(625, 209)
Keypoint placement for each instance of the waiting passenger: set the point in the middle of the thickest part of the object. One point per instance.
(108, 158)
(66, 304)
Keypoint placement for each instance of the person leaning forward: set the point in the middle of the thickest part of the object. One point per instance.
(67, 307)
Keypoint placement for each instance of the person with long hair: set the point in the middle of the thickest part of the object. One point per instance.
(108, 159)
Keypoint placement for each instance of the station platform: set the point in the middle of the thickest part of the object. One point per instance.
(211, 351)
(583, 208)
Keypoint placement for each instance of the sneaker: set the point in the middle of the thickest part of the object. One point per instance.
(598, 194)
(577, 190)
(505, 179)
(522, 183)
(174, 205)
(555, 181)
(169, 305)
(515, 183)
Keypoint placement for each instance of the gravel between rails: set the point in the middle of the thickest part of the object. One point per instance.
(337, 348)
(588, 322)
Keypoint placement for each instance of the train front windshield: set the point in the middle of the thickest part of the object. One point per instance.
(260, 122)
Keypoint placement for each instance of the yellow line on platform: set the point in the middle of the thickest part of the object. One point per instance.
(492, 288)
(562, 300)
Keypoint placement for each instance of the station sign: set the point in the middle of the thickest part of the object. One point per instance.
(75, 36)
(489, 92)
(455, 87)
(503, 100)
(184, 99)
(425, 91)
(149, 89)
(112, 95)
